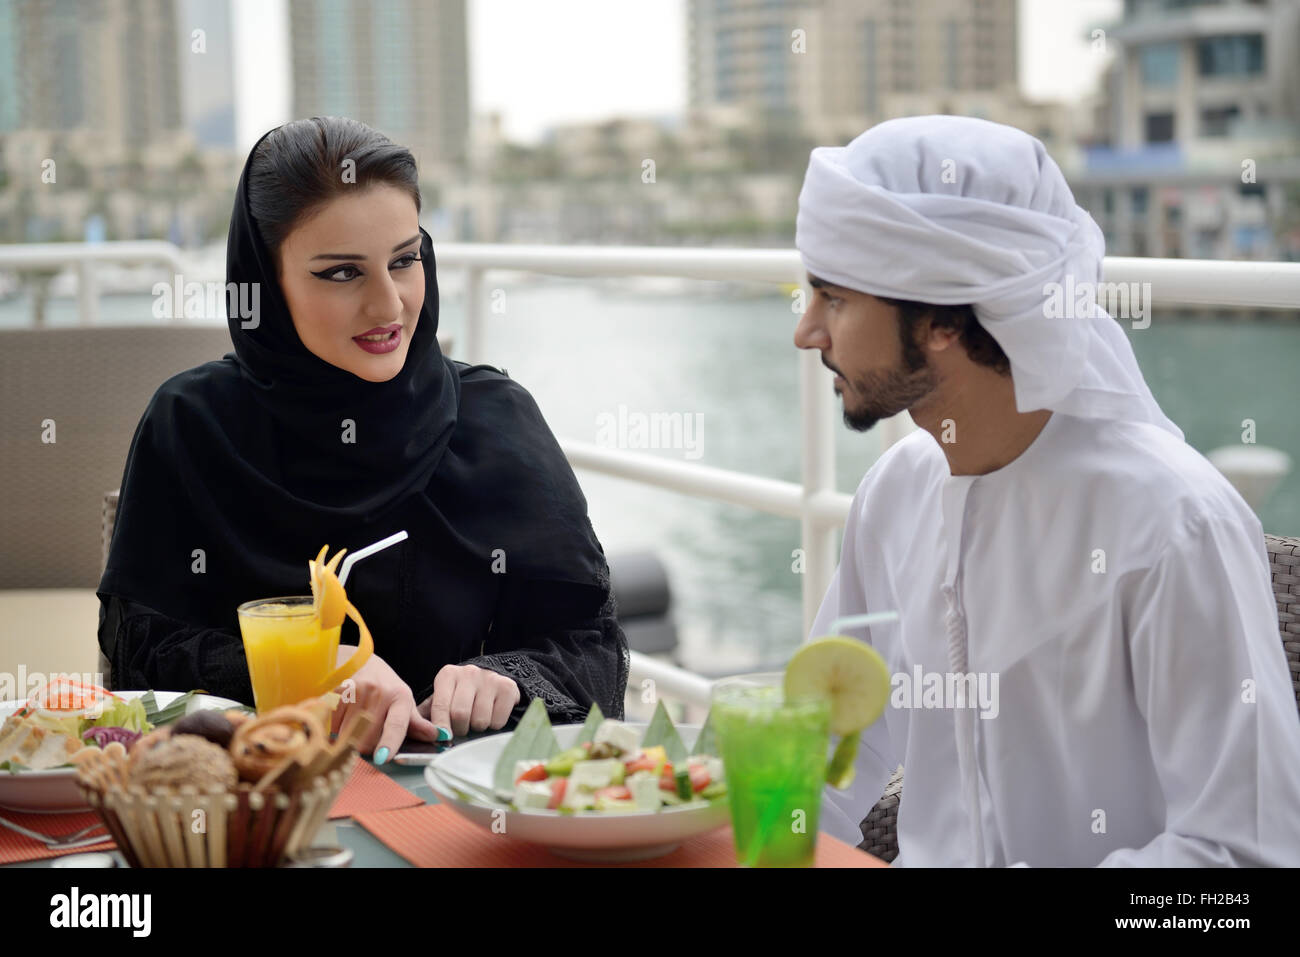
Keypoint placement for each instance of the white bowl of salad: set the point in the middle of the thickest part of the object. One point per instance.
(39, 736)
(601, 794)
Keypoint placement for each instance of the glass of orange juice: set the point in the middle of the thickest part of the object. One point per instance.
(290, 657)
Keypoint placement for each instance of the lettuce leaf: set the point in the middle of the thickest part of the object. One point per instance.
(122, 714)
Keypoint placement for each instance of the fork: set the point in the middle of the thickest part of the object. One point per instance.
(67, 840)
(467, 788)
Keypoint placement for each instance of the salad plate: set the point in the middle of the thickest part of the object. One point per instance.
(463, 777)
(54, 790)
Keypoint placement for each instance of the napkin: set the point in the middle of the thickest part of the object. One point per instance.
(369, 789)
(15, 847)
(435, 835)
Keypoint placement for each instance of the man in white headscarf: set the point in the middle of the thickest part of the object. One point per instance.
(1046, 532)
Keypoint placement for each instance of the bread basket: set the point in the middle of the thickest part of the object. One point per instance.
(252, 824)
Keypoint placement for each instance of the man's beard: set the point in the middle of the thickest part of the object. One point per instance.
(885, 394)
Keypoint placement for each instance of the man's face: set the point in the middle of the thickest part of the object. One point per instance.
(877, 374)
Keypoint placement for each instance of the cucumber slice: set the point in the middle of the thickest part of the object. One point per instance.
(713, 790)
(682, 779)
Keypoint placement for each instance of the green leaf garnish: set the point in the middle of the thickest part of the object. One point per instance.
(168, 714)
(661, 730)
(707, 742)
(150, 706)
(532, 739)
(588, 732)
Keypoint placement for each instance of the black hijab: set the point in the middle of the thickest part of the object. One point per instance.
(238, 473)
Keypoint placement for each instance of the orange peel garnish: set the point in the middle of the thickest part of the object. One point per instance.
(331, 604)
(364, 650)
(331, 599)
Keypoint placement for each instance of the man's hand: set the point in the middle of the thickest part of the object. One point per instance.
(377, 688)
(468, 697)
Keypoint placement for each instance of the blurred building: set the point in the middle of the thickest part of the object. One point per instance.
(400, 66)
(1201, 129)
(96, 140)
(108, 66)
(207, 70)
(838, 66)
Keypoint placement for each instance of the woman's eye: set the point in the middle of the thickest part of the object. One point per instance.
(830, 300)
(336, 274)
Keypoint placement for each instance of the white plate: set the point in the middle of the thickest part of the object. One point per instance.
(55, 790)
(587, 836)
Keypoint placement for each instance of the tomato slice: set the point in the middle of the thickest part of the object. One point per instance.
(667, 780)
(536, 773)
(699, 777)
(557, 793)
(617, 793)
(642, 763)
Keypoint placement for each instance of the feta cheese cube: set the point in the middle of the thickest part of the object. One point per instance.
(644, 786)
(620, 735)
(532, 794)
(594, 774)
(578, 799)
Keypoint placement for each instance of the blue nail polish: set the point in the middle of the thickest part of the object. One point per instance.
(444, 734)
(381, 756)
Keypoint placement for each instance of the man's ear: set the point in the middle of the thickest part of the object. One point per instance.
(936, 336)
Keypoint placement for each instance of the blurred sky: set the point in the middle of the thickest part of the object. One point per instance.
(573, 60)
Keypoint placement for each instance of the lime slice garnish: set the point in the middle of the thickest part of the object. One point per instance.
(854, 678)
(840, 770)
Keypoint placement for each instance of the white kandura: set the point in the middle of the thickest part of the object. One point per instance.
(1112, 595)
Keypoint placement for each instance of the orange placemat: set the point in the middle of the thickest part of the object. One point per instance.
(15, 847)
(369, 789)
(436, 836)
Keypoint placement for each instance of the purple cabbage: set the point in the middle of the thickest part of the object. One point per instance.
(106, 736)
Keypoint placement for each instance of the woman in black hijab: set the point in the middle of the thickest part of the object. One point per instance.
(337, 420)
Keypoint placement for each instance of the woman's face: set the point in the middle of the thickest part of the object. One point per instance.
(352, 277)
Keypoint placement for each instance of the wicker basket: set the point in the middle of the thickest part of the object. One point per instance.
(242, 827)
(246, 825)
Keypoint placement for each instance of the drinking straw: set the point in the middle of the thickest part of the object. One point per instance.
(857, 621)
(769, 818)
(366, 552)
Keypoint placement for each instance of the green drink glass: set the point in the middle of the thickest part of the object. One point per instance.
(774, 754)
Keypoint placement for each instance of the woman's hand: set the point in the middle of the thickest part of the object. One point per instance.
(468, 697)
(377, 688)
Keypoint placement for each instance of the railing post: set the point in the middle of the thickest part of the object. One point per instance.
(818, 535)
(473, 315)
(87, 293)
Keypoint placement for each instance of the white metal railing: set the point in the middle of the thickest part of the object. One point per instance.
(821, 509)
(86, 256)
